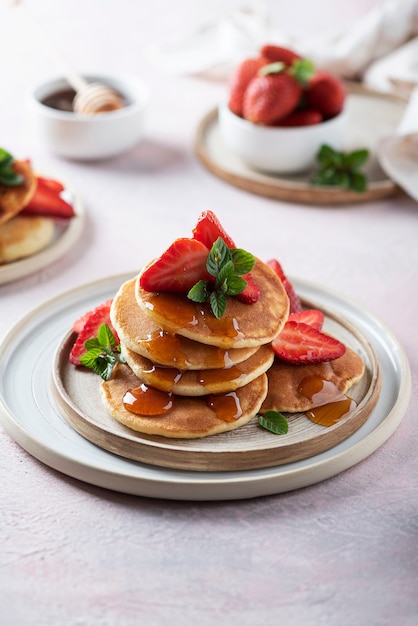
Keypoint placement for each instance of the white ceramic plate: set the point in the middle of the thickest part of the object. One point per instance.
(67, 232)
(30, 416)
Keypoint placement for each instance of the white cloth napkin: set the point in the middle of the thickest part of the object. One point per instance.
(377, 48)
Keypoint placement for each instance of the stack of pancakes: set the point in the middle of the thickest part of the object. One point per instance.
(21, 236)
(212, 370)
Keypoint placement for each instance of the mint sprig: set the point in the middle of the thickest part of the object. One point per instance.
(341, 169)
(102, 353)
(8, 176)
(227, 266)
(274, 422)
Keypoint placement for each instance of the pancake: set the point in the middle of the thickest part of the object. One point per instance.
(23, 236)
(189, 418)
(200, 382)
(140, 334)
(14, 199)
(285, 382)
(243, 325)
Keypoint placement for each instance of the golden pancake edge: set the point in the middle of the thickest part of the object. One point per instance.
(242, 325)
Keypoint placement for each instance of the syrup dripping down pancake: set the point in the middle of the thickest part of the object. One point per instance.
(242, 325)
(189, 418)
(285, 381)
(141, 335)
(200, 382)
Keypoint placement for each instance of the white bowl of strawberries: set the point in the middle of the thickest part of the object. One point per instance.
(280, 111)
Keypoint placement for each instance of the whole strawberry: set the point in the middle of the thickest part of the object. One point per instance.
(278, 53)
(239, 81)
(302, 117)
(275, 92)
(271, 97)
(326, 93)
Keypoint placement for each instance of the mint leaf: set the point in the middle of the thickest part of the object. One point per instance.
(341, 169)
(226, 265)
(218, 303)
(105, 336)
(8, 178)
(274, 422)
(199, 292)
(103, 352)
(219, 255)
(243, 261)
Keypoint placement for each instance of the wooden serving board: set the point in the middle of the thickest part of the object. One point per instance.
(371, 117)
(77, 395)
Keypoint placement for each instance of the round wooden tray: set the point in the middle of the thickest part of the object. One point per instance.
(77, 395)
(371, 117)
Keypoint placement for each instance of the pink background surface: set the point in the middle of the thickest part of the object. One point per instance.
(340, 552)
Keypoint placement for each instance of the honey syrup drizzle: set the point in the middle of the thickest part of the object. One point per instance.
(183, 313)
(226, 406)
(147, 401)
(329, 403)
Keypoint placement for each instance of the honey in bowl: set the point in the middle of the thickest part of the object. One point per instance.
(63, 99)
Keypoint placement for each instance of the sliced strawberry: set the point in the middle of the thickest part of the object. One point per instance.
(180, 267)
(89, 324)
(208, 228)
(312, 317)
(251, 293)
(103, 308)
(240, 80)
(300, 343)
(304, 117)
(50, 183)
(295, 302)
(49, 203)
(278, 53)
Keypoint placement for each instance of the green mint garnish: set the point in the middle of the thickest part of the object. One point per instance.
(8, 177)
(102, 353)
(274, 422)
(227, 266)
(341, 169)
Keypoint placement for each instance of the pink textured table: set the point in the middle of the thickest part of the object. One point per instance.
(343, 551)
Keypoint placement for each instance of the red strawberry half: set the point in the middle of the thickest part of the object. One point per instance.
(271, 97)
(300, 343)
(278, 53)
(312, 317)
(208, 228)
(240, 80)
(47, 201)
(89, 324)
(326, 93)
(251, 293)
(295, 302)
(102, 309)
(180, 267)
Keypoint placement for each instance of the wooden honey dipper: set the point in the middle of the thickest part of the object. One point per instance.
(90, 98)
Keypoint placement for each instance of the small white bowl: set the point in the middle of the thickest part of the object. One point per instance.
(279, 150)
(90, 137)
